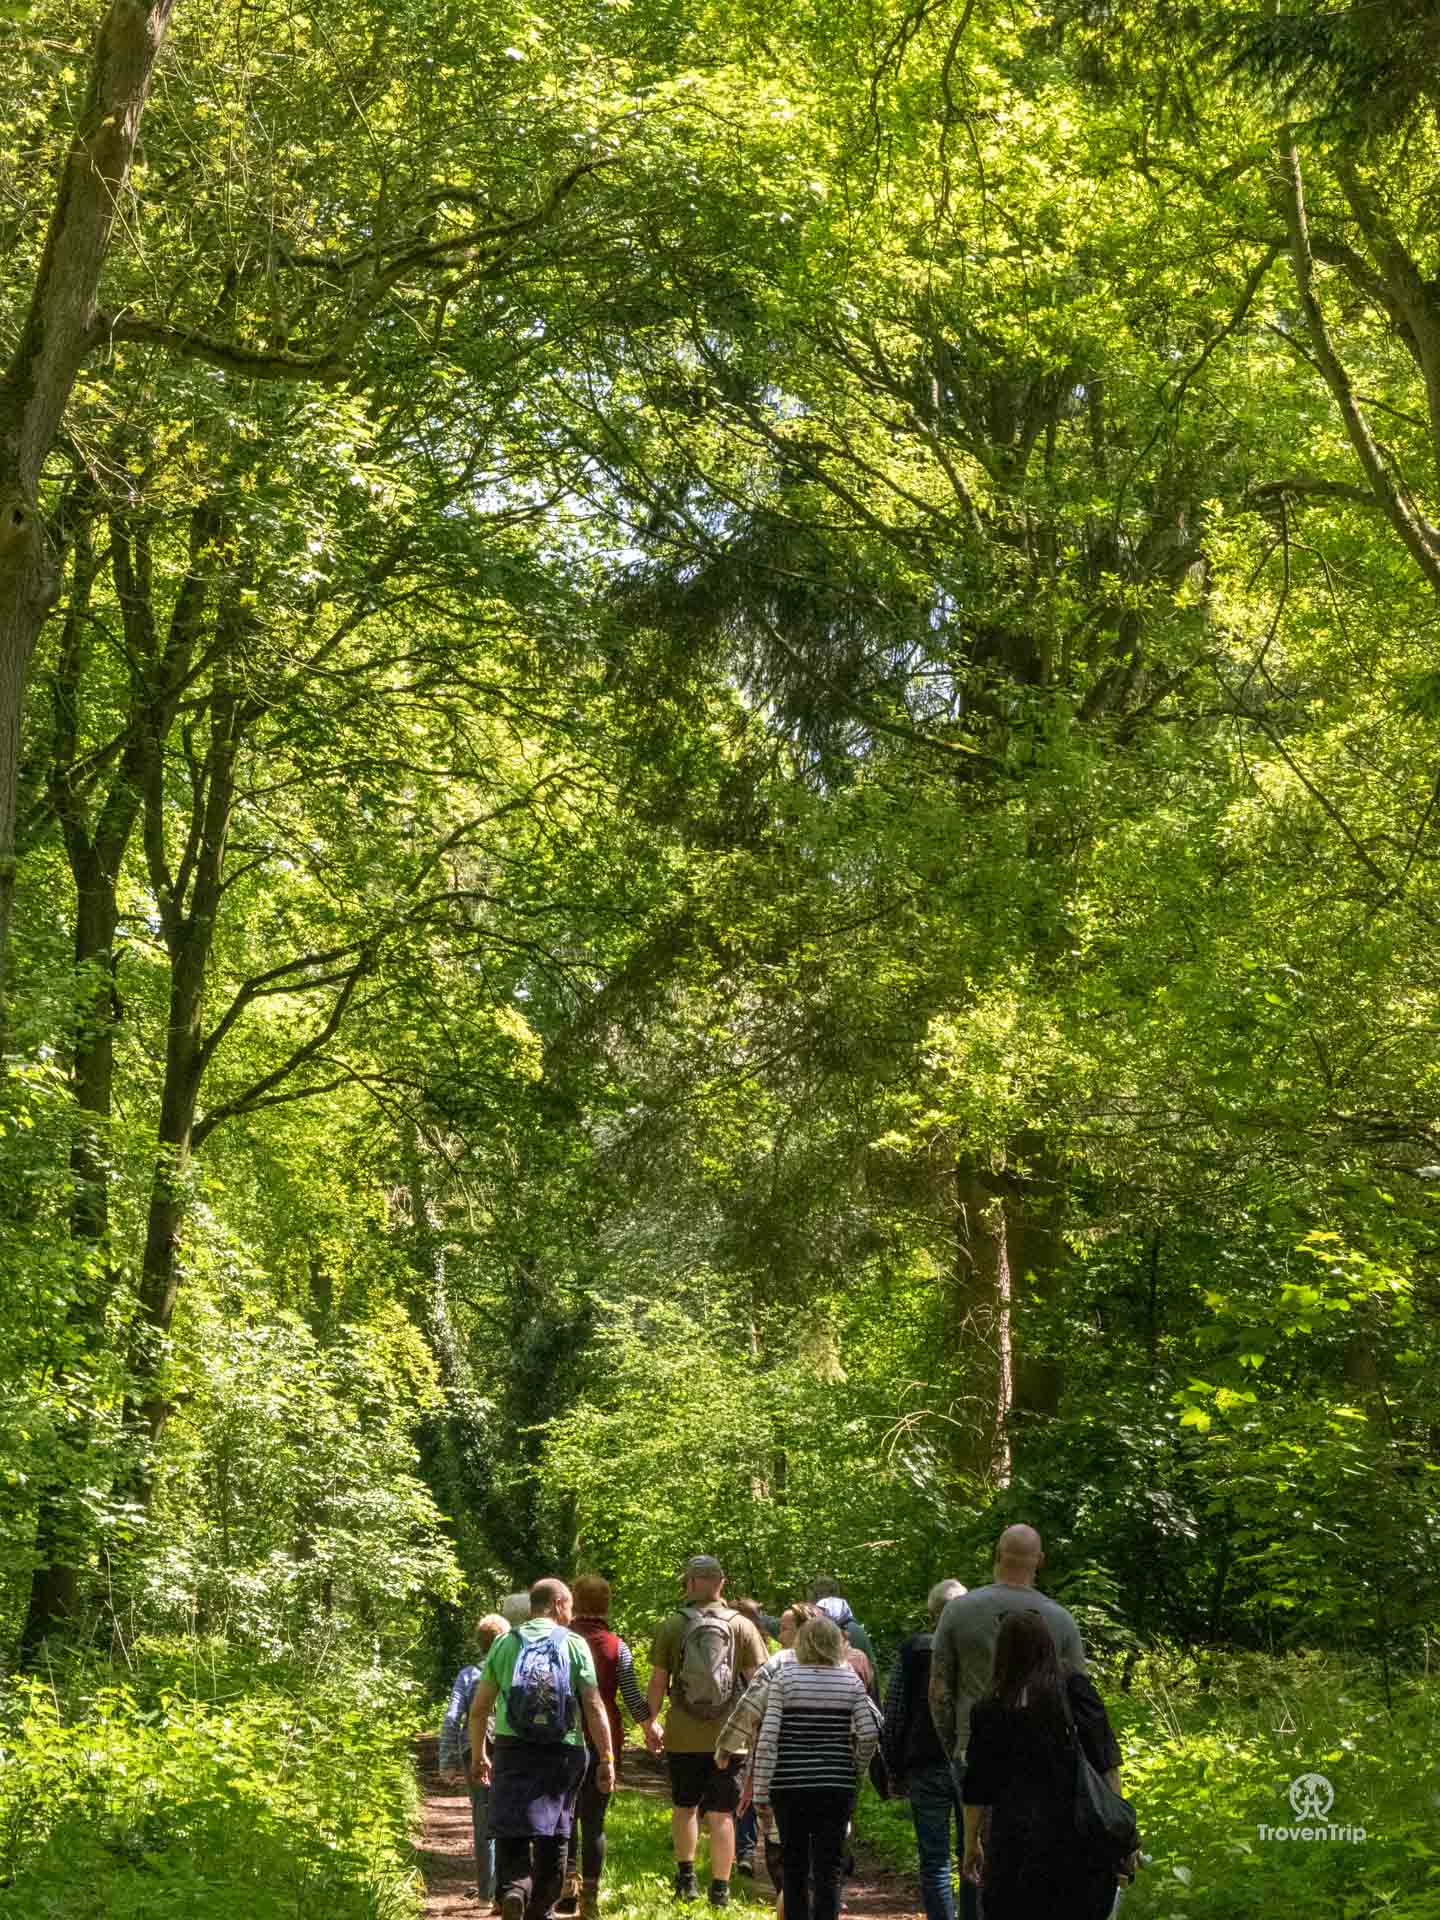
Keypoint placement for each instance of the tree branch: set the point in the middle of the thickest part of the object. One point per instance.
(1387, 495)
(249, 362)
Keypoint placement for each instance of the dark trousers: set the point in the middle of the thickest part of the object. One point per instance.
(590, 1812)
(532, 1868)
(813, 1824)
(484, 1845)
(747, 1832)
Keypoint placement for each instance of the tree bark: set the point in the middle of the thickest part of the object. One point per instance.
(95, 849)
(57, 334)
(189, 899)
(982, 1297)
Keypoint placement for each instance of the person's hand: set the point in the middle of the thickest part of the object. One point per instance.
(605, 1773)
(1129, 1868)
(722, 1760)
(974, 1863)
(480, 1775)
(654, 1738)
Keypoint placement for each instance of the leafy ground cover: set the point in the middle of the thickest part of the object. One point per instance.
(1209, 1759)
(184, 1790)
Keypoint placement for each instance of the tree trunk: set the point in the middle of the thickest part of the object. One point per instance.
(57, 334)
(1034, 1210)
(190, 927)
(982, 1296)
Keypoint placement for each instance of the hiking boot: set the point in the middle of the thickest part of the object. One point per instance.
(589, 1900)
(512, 1906)
(568, 1905)
(719, 1893)
(686, 1886)
(745, 1863)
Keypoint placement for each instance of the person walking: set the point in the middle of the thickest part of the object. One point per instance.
(819, 1730)
(615, 1677)
(919, 1765)
(962, 1654)
(737, 1736)
(1020, 1765)
(823, 1591)
(539, 1681)
(838, 1610)
(455, 1753)
(702, 1659)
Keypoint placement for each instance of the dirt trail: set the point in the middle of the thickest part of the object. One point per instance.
(445, 1857)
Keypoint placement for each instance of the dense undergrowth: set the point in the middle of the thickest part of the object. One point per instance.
(177, 1787)
(1209, 1758)
(188, 1782)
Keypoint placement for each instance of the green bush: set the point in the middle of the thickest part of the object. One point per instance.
(149, 1798)
(1210, 1752)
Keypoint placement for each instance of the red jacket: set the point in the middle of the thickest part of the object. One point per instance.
(605, 1647)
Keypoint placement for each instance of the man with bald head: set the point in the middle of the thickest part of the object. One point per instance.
(962, 1657)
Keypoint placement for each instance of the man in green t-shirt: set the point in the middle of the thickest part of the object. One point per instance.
(536, 1774)
(704, 1634)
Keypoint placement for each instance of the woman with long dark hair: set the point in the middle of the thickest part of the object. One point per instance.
(1020, 1766)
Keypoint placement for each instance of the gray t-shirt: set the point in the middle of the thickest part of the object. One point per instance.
(963, 1658)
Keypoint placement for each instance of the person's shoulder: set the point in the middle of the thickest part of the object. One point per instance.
(964, 1607)
(1081, 1691)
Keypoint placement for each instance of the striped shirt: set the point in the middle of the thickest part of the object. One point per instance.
(819, 1731)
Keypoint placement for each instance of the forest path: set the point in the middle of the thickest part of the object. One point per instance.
(445, 1856)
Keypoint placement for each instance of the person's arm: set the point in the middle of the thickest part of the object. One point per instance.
(943, 1708)
(636, 1705)
(738, 1733)
(482, 1705)
(864, 1731)
(1072, 1650)
(979, 1787)
(1092, 1725)
(897, 1702)
(452, 1757)
(598, 1723)
(973, 1864)
(655, 1692)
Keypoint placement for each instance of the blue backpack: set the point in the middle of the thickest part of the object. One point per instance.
(541, 1703)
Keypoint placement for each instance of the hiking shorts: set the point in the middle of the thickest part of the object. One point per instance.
(696, 1781)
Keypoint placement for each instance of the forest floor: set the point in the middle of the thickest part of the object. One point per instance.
(637, 1872)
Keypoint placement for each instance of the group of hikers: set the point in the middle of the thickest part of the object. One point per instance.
(990, 1727)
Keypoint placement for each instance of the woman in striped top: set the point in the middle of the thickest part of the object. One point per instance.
(816, 1738)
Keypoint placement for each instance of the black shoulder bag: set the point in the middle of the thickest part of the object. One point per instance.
(1104, 1820)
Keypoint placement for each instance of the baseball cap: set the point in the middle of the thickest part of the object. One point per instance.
(705, 1564)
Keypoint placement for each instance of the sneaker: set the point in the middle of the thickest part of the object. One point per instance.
(719, 1893)
(686, 1886)
(512, 1906)
(745, 1863)
(590, 1900)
